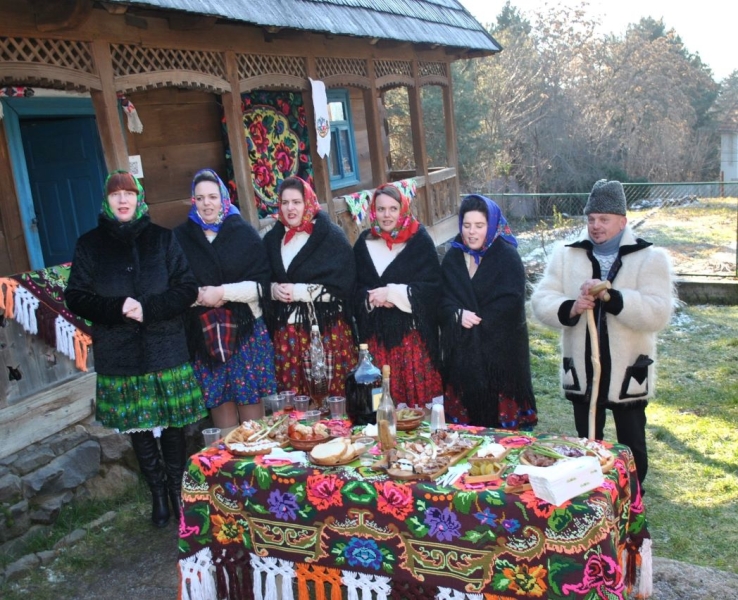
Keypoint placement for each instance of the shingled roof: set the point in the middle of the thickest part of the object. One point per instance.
(442, 22)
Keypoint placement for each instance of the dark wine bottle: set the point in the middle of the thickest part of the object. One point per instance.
(363, 389)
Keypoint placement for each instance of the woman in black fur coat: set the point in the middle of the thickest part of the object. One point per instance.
(484, 334)
(398, 288)
(313, 277)
(131, 279)
(229, 344)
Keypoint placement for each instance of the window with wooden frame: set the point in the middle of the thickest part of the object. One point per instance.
(342, 161)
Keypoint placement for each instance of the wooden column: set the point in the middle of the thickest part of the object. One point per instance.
(105, 102)
(452, 150)
(321, 174)
(419, 149)
(237, 142)
(374, 129)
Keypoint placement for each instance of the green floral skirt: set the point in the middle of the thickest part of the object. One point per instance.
(168, 398)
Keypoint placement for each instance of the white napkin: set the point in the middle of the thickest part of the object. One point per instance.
(322, 120)
(295, 456)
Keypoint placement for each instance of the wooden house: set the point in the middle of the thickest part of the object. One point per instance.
(225, 85)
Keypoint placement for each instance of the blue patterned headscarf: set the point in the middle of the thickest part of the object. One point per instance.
(226, 208)
(496, 227)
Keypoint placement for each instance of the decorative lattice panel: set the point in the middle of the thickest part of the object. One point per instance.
(434, 69)
(382, 68)
(340, 66)
(253, 65)
(135, 60)
(57, 53)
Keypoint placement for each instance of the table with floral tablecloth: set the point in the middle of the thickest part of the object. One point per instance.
(251, 529)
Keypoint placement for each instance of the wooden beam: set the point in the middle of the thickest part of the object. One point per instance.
(15, 259)
(452, 150)
(46, 413)
(237, 142)
(60, 15)
(189, 22)
(374, 129)
(418, 130)
(321, 174)
(105, 102)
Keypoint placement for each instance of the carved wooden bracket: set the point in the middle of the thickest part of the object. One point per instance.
(60, 15)
(115, 9)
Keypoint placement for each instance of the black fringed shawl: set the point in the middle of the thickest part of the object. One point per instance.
(417, 266)
(236, 254)
(494, 355)
(326, 259)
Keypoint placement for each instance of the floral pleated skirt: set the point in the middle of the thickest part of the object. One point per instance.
(291, 341)
(166, 398)
(246, 377)
(414, 380)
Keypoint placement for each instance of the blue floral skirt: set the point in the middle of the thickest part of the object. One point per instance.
(167, 398)
(246, 377)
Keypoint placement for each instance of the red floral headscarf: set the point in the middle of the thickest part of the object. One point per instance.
(312, 207)
(407, 225)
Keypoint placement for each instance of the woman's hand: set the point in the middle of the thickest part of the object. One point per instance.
(132, 309)
(378, 298)
(469, 319)
(283, 292)
(211, 296)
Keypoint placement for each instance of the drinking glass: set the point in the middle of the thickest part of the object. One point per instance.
(302, 403)
(211, 435)
(337, 406)
(366, 458)
(311, 417)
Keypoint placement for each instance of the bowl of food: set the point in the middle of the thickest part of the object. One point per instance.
(306, 437)
(409, 419)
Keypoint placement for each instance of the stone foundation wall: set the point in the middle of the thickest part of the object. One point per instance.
(83, 462)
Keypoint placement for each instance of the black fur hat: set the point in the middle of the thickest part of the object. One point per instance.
(606, 197)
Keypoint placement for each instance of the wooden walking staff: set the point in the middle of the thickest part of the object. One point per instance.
(594, 342)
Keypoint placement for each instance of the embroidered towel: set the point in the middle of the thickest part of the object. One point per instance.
(322, 122)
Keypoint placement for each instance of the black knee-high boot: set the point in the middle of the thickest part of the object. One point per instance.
(147, 453)
(173, 449)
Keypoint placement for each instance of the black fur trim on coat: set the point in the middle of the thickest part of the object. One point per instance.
(417, 266)
(326, 259)
(143, 261)
(236, 254)
(491, 357)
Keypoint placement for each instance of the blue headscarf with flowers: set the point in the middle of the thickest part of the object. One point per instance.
(226, 208)
(497, 226)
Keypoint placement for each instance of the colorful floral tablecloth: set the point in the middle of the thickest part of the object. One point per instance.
(251, 529)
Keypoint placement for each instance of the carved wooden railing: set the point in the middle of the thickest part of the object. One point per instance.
(437, 199)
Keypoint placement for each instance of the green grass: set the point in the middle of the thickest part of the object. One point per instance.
(692, 483)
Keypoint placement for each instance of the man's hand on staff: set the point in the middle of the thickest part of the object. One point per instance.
(586, 300)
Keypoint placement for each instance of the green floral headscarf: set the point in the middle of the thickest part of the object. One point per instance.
(141, 206)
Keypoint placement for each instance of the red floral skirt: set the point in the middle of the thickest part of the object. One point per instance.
(292, 340)
(413, 378)
(510, 414)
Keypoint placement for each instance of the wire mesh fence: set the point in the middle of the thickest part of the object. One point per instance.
(697, 222)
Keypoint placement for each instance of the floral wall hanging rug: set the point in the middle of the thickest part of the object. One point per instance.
(279, 147)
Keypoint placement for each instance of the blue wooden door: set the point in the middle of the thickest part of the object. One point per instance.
(66, 172)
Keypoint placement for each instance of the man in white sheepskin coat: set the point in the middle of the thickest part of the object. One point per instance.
(639, 306)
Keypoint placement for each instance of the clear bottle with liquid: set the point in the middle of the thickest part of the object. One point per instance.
(386, 411)
(317, 354)
(363, 389)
